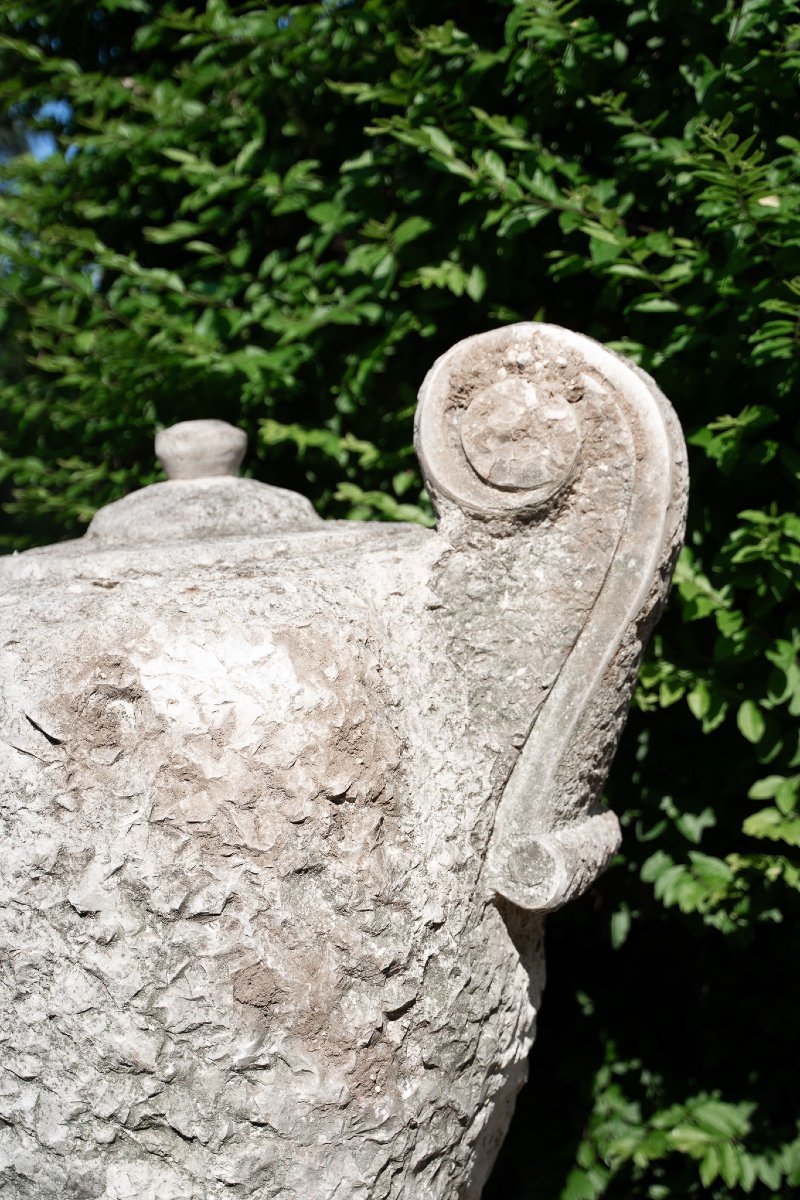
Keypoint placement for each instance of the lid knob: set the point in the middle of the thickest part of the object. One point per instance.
(198, 449)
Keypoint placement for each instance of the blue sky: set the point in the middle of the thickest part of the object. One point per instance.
(41, 143)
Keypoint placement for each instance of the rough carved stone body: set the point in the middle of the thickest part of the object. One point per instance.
(275, 862)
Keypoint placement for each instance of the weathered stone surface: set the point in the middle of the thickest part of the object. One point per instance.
(284, 803)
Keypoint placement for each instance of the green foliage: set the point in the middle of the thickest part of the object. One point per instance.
(280, 216)
(712, 1136)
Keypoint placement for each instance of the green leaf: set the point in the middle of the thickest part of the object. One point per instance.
(655, 304)
(699, 699)
(750, 721)
(247, 154)
(476, 283)
(603, 250)
(710, 1166)
(767, 788)
(495, 167)
(693, 825)
(772, 824)
(439, 140)
(171, 233)
(620, 926)
(410, 229)
(712, 872)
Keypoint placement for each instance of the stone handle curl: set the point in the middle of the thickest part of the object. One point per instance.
(533, 434)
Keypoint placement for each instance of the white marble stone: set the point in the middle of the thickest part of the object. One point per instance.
(284, 802)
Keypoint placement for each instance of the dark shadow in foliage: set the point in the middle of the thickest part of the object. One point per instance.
(677, 1010)
(553, 1108)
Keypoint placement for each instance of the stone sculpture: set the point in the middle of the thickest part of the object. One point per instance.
(285, 801)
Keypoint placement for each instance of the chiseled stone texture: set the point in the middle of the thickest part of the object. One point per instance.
(278, 836)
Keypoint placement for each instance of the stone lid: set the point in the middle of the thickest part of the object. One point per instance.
(203, 499)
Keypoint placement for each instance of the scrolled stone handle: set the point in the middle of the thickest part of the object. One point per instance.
(502, 448)
(558, 472)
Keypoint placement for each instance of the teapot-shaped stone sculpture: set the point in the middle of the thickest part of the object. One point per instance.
(285, 801)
